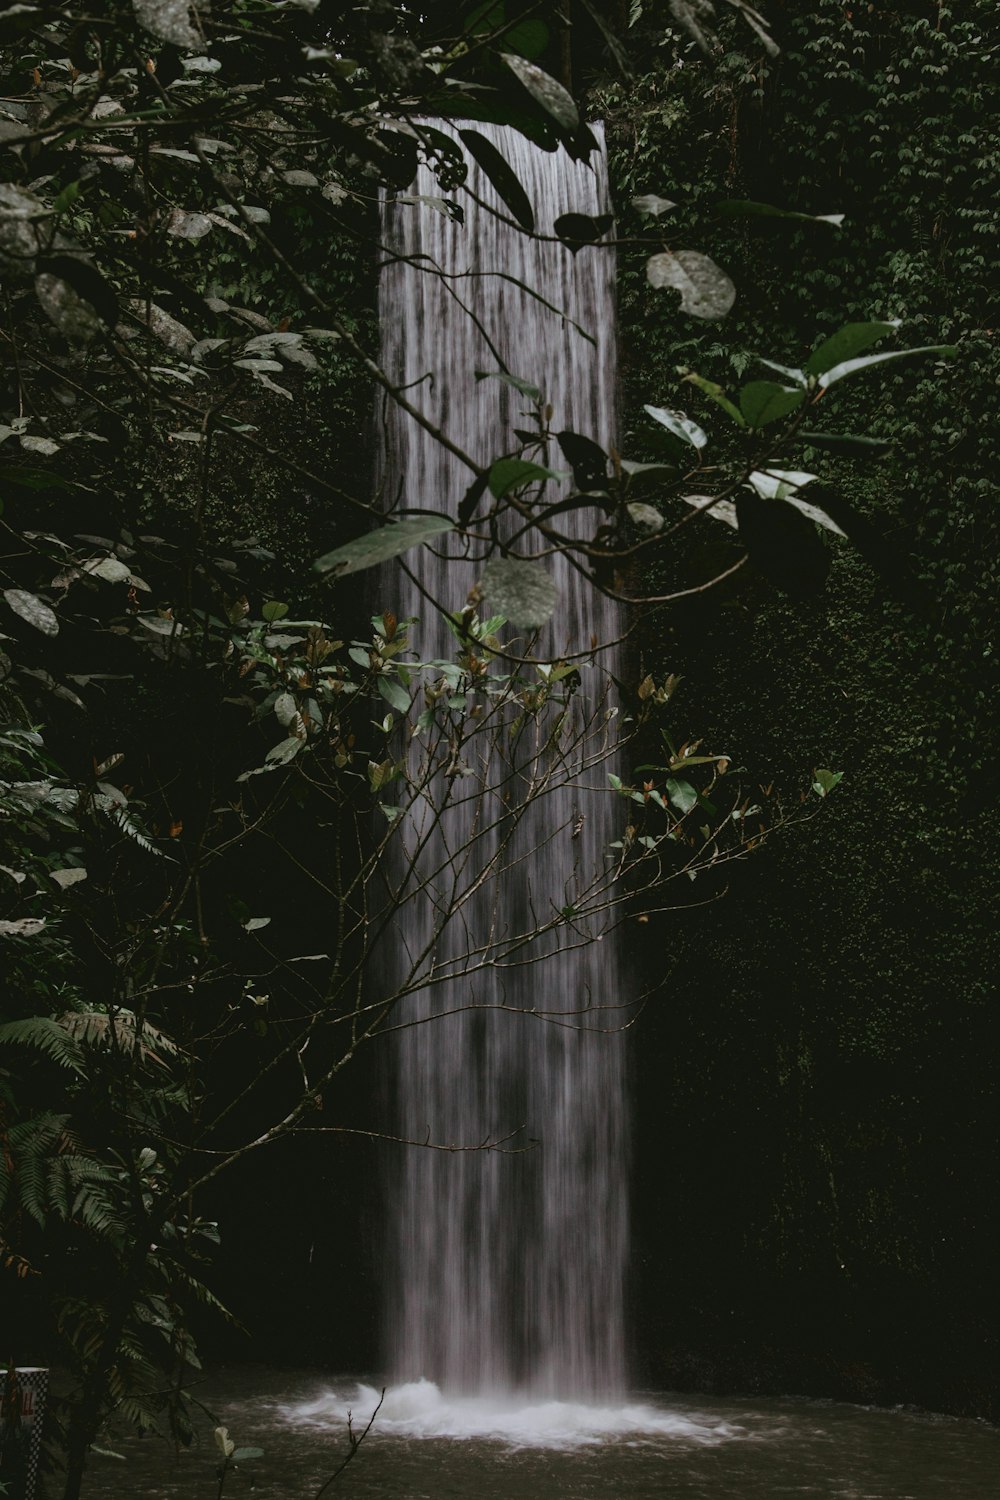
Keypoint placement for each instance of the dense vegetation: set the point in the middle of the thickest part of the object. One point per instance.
(829, 1029)
(186, 426)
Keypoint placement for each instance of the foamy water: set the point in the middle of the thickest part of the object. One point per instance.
(420, 1409)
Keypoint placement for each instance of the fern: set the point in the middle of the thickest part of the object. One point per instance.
(120, 1029)
(45, 1035)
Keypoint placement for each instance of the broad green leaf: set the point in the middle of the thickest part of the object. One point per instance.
(846, 343)
(798, 377)
(394, 693)
(705, 290)
(825, 781)
(32, 609)
(852, 366)
(274, 610)
(523, 592)
(379, 546)
(546, 91)
(682, 794)
(501, 175)
(783, 544)
(763, 401)
(738, 208)
(524, 386)
(677, 423)
(512, 473)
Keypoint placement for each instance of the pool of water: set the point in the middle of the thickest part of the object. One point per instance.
(426, 1446)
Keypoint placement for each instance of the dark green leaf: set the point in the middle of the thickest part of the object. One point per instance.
(678, 424)
(852, 366)
(577, 230)
(381, 545)
(524, 386)
(502, 176)
(512, 473)
(846, 343)
(588, 461)
(782, 544)
(736, 208)
(764, 401)
(546, 91)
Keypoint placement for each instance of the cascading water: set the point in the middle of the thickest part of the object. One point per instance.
(506, 1271)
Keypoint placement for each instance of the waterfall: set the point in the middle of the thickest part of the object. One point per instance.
(505, 1271)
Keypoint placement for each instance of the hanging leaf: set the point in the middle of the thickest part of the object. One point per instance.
(737, 208)
(577, 230)
(677, 423)
(32, 609)
(394, 694)
(652, 206)
(502, 176)
(846, 343)
(523, 592)
(763, 401)
(513, 473)
(588, 461)
(553, 98)
(469, 503)
(379, 546)
(706, 291)
(514, 381)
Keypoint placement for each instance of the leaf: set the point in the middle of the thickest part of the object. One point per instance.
(284, 751)
(545, 90)
(22, 927)
(652, 206)
(72, 875)
(254, 924)
(32, 609)
(524, 386)
(513, 473)
(851, 366)
(764, 401)
(682, 794)
(825, 781)
(646, 517)
(274, 610)
(523, 592)
(170, 20)
(242, 1454)
(717, 510)
(677, 423)
(577, 230)
(846, 343)
(111, 569)
(714, 392)
(381, 545)
(502, 175)
(187, 226)
(782, 544)
(705, 290)
(394, 693)
(588, 461)
(87, 293)
(851, 444)
(777, 484)
(736, 208)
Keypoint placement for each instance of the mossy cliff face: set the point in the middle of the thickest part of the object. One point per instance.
(815, 1145)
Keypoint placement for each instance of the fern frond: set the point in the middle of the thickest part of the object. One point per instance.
(46, 1035)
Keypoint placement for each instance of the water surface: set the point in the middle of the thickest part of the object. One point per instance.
(424, 1446)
